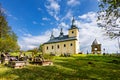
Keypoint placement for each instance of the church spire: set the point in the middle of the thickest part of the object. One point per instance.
(73, 23)
(52, 36)
(61, 33)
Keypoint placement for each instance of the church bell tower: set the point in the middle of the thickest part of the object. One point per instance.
(73, 31)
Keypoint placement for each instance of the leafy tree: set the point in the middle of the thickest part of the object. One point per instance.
(8, 39)
(109, 17)
(40, 48)
(35, 51)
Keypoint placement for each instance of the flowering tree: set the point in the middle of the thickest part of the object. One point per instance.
(109, 17)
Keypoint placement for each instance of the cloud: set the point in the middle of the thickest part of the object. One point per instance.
(8, 14)
(34, 22)
(28, 41)
(68, 15)
(53, 8)
(73, 2)
(88, 31)
(45, 19)
(13, 17)
(42, 24)
(98, 0)
(90, 16)
(63, 25)
(39, 9)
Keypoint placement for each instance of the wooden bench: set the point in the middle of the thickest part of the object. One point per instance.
(17, 64)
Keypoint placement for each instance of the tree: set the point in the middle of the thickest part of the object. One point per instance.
(8, 39)
(109, 17)
(40, 48)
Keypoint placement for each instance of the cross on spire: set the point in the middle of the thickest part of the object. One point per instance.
(73, 21)
(61, 33)
(52, 36)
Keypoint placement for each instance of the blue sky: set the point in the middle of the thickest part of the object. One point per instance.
(29, 14)
(33, 21)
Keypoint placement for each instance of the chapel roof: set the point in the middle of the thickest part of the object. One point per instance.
(73, 26)
(95, 42)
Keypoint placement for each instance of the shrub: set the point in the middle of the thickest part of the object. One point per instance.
(47, 56)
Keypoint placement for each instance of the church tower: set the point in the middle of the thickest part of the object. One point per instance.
(73, 31)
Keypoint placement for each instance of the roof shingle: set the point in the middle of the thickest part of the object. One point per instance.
(61, 39)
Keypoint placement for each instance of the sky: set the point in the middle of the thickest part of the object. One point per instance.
(34, 20)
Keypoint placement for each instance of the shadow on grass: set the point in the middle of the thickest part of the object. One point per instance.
(40, 73)
(93, 67)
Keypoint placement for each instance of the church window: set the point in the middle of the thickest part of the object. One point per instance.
(72, 32)
(71, 44)
(64, 45)
(52, 47)
(58, 46)
(47, 47)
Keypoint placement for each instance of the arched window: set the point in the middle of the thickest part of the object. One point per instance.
(47, 48)
(71, 44)
(52, 47)
(64, 45)
(72, 32)
(58, 46)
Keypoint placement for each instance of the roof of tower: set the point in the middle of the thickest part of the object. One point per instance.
(73, 26)
(95, 42)
(52, 36)
(61, 33)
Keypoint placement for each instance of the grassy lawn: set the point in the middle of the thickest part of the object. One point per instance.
(77, 67)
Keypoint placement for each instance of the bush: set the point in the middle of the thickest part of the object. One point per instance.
(48, 57)
(65, 55)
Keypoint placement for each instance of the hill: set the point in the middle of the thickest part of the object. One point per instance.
(77, 67)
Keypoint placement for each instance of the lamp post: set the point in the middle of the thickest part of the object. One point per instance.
(104, 51)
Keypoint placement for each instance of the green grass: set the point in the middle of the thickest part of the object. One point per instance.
(68, 68)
